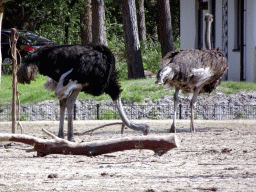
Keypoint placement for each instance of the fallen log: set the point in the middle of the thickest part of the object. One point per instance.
(159, 144)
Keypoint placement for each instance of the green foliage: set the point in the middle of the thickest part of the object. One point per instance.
(51, 18)
(240, 115)
(151, 55)
(117, 46)
(24, 117)
(48, 18)
(153, 114)
(6, 68)
(108, 115)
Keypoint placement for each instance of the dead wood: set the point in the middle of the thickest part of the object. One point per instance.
(159, 144)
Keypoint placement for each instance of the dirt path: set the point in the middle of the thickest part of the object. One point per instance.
(220, 156)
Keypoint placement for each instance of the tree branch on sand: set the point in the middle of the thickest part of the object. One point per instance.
(159, 144)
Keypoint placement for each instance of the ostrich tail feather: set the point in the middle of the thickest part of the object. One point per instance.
(26, 73)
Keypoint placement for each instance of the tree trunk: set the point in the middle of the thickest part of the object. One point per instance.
(1, 19)
(153, 9)
(98, 22)
(159, 144)
(141, 19)
(86, 23)
(165, 27)
(67, 22)
(132, 45)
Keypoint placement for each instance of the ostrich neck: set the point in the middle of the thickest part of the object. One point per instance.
(208, 35)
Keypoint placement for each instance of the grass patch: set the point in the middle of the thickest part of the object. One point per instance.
(133, 90)
(231, 87)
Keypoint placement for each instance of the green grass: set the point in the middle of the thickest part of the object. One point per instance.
(135, 90)
(231, 87)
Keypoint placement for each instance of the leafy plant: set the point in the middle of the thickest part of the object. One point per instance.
(108, 115)
(153, 114)
(240, 115)
(6, 68)
(24, 117)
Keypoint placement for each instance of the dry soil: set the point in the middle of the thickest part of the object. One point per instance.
(220, 156)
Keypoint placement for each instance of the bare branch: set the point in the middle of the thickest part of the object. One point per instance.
(92, 130)
(50, 134)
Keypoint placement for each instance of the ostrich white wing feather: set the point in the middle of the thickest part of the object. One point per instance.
(201, 71)
(201, 75)
(63, 92)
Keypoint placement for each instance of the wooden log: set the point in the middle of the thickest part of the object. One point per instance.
(159, 144)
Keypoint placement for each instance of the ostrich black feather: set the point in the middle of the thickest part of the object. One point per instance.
(74, 68)
(92, 64)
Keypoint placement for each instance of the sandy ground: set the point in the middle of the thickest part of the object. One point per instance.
(220, 156)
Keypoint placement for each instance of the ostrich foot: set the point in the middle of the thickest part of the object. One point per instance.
(61, 135)
(173, 129)
(192, 129)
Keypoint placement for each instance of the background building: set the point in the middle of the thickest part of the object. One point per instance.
(233, 31)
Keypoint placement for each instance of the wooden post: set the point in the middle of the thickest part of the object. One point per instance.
(14, 37)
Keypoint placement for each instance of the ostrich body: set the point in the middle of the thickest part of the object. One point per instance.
(72, 69)
(192, 71)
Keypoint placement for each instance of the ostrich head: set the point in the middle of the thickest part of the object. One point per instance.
(208, 18)
(164, 74)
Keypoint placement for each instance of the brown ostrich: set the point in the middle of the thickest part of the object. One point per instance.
(72, 69)
(192, 71)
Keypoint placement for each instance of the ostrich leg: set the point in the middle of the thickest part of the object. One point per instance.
(62, 116)
(67, 95)
(70, 106)
(176, 100)
(192, 106)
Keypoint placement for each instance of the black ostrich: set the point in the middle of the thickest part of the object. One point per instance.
(192, 71)
(72, 69)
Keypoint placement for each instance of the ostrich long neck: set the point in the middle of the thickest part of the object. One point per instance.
(208, 34)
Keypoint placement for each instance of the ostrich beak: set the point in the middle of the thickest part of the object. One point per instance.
(137, 127)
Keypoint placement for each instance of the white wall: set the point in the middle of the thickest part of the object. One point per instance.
(254, 23)
(188, 32)
(188, 25)
(250, 45)
(218, 20)
(233, 57)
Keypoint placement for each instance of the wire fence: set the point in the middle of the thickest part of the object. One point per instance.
(106, 112)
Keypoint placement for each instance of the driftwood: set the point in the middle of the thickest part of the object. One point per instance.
(159, 144)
